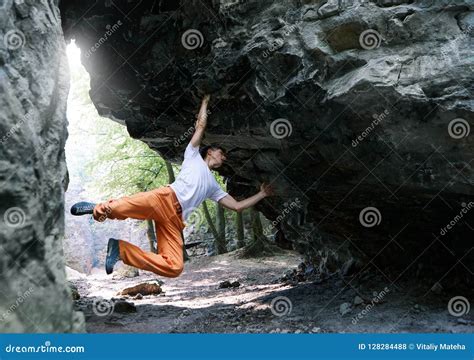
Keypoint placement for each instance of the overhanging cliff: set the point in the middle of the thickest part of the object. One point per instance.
(358, 111)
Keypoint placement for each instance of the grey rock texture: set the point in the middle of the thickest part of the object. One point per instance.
(347, 107)
(34, 83)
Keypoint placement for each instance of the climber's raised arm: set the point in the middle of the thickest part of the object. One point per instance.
(201, 123)
(230, 203)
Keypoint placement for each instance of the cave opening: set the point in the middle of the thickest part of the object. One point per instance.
(101, 157)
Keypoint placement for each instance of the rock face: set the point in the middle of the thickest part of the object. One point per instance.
(34, 84)
(359, 112)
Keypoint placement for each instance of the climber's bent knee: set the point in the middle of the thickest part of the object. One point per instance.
(175, 271)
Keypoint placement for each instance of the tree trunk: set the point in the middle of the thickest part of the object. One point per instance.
(221, 246)
(209, 220)
(150, 234)
(169, 167)
(171, 179)
(239, 224)
(214, 231)
(257, 229)
(259, 244)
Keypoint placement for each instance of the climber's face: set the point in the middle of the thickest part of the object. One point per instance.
(218, 157)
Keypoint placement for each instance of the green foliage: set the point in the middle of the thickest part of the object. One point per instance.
(125, 166)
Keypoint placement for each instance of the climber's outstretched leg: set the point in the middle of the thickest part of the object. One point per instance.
(137, 206)
(141, 206)
(158, 204)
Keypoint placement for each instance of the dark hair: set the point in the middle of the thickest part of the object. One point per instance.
(203, 150)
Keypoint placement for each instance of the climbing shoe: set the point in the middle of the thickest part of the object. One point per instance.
(82, 208)
(113, 255)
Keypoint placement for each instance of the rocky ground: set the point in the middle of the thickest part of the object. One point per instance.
(227, 294)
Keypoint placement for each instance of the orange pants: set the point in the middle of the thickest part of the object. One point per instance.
(162, 206)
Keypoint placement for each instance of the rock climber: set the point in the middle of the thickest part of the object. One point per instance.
(169, 206)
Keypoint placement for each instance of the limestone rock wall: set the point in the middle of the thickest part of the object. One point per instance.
(34, 83)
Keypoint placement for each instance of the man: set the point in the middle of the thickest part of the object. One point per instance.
(169, 206)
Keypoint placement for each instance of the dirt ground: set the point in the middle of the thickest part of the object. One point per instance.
(194, 303)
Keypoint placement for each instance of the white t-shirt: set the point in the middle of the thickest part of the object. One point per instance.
(195, 182)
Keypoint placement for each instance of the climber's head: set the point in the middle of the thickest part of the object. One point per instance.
(214, 155)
